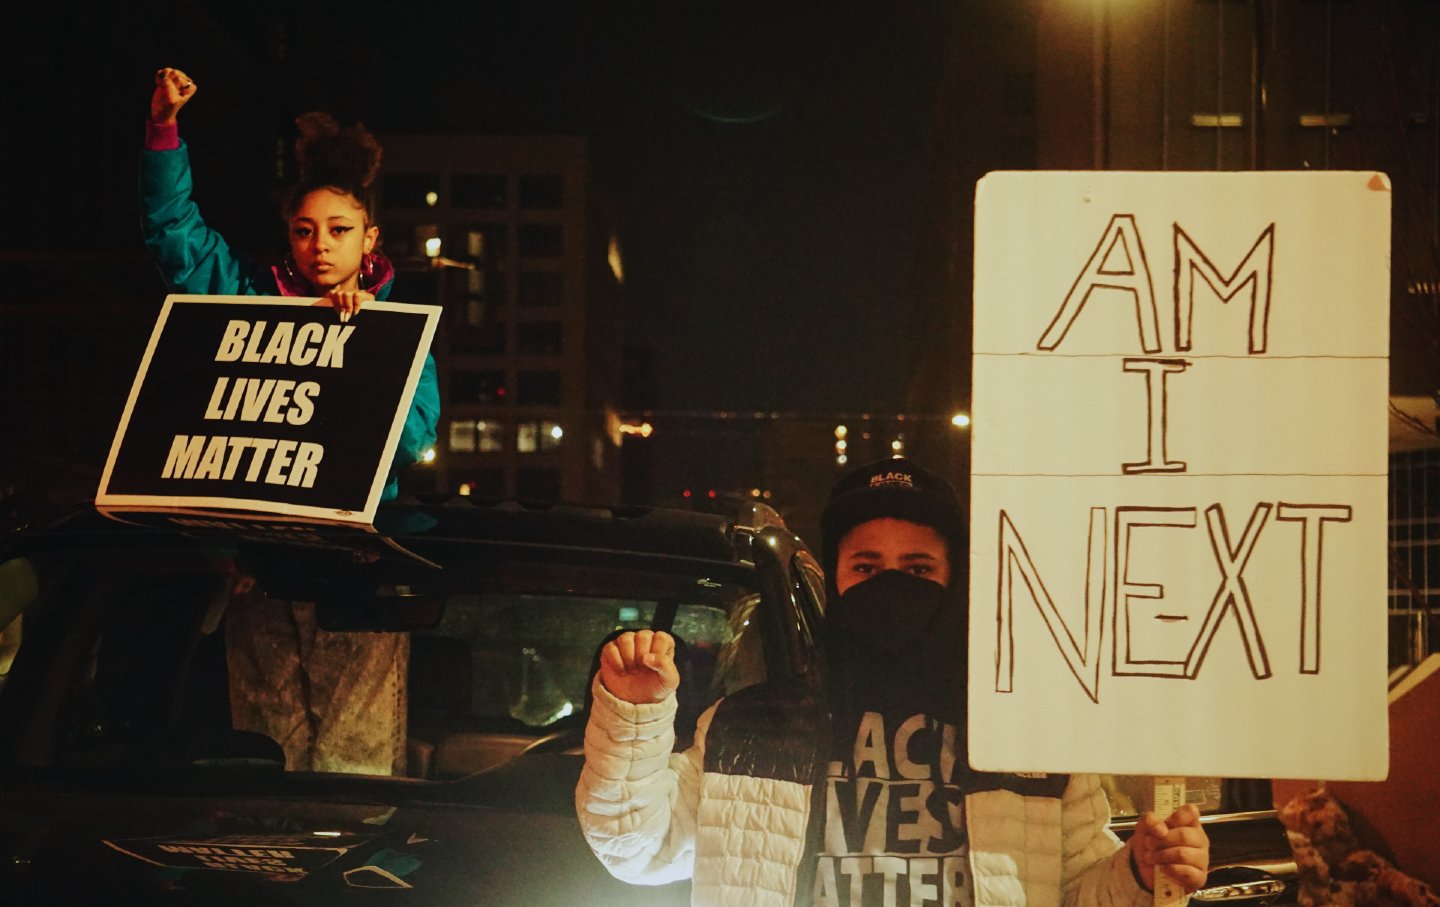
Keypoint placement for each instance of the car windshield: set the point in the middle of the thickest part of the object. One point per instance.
(146, 650)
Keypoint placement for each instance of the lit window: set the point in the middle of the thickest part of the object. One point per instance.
(531, 437)
(462, 436)
(475, 243)
(527, 437)
(477, 436)
(489, 436)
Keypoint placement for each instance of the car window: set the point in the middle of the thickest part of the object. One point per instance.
(531, 656)
(812, 582)
(740, 663)
(130, 658)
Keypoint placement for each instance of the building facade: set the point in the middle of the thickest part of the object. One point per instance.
(501, 232)
(1211, 85)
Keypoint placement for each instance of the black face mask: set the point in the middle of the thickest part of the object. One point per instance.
(891, 612)
(899, 640)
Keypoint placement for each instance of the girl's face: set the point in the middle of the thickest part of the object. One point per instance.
(328, 237)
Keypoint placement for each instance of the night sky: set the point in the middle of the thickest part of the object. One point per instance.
(764, 168)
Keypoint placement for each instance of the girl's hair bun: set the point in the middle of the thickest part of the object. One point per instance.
(326, 154)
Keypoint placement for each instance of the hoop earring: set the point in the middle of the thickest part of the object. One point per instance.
(367, 268)
(289, 265)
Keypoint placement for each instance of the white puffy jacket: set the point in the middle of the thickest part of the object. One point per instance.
(653, 816)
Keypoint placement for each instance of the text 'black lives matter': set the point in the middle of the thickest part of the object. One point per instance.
(267, 404)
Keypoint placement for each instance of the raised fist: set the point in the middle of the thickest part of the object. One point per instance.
(639, 667)
(172, 90)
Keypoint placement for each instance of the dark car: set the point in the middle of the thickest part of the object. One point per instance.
(124, 780)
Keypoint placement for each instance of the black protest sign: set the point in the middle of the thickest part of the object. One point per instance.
(268, 404)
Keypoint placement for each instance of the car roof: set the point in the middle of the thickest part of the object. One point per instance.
(637, 530)
(629, 552)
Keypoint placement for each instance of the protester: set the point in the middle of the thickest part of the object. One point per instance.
(334, 701)
(866, 798)
(331, 227)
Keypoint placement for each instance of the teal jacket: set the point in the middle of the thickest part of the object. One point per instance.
(194, 259)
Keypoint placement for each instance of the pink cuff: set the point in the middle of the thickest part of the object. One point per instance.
(161, 136)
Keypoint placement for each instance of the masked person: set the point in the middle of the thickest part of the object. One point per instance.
(334, 701)
(865, 798)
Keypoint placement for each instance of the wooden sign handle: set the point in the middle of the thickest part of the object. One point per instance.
(1169, 796)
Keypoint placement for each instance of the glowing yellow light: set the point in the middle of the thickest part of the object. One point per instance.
(557, 432)
(428, 456)
(644, 429)
(432, 247)
(841, 431)
(842, 459)
(432, 198)
(612, 256)
(960, 420)
(897, 446)
(754, 492)
(464, 490)
(840, 446)
(326, 834)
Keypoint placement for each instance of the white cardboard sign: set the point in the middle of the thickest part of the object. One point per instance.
(1178, 493)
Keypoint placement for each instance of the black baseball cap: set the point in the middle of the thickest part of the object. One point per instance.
(894, 487)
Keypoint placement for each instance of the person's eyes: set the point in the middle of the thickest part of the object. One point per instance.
(865, 569)
(921, 569)
(340, 231)
(301, 232)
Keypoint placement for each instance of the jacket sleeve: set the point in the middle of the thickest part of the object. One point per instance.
(418, 433)
(1094, 863)
(637, 800)
(191, 257)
